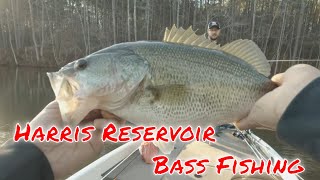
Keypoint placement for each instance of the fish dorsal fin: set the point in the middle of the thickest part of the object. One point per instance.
(188, 37)
(244, 49)
(248, 51)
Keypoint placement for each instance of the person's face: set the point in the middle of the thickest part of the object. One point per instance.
(213, 33)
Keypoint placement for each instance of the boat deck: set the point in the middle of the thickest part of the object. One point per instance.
(134, 168)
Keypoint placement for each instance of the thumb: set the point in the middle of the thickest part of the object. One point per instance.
(278, 79)
(245, 123)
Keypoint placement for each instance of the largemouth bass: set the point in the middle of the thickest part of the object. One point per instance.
(184, 80)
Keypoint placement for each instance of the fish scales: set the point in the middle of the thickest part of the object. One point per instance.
(207, 85)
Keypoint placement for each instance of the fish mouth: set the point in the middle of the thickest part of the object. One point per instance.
(102, 114)
(73, 106)
(55, 80)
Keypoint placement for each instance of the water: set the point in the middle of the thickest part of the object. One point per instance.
(25, 91)
(312, 167)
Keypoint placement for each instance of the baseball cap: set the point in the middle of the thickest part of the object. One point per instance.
(213, 24)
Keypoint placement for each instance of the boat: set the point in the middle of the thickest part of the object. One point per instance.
(125, 162)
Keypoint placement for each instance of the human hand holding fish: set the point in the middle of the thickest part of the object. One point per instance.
(268, 110)
(66, 158)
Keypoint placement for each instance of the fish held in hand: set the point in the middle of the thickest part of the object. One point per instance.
(184, 80)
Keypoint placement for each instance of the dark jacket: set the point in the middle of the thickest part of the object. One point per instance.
(23, 160)
(300, 123)
(299, 126)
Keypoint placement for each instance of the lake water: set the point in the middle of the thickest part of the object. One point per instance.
(25, 91)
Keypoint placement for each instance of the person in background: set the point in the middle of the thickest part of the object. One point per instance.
(213, 31)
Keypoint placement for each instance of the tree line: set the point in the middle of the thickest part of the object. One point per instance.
(51, 33)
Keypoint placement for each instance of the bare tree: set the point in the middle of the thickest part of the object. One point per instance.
(284, 13)
(82, 21)
(128, 21)
(135, 18)
(114, 21)
(270, 28)
(195, 13)
(10, 39)
(4, 37)
(147, 17)
(178, 12)
(42, 28)
(88, 27)
(14, 23)
(51, 37)
(253, 18)
(300, 22)
(33, 31)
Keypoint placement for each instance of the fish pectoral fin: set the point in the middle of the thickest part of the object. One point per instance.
(167, 94)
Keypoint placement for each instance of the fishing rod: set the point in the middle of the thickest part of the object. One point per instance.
(261, 149)
(304, 60)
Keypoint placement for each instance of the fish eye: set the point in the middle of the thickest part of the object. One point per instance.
(81, 64)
